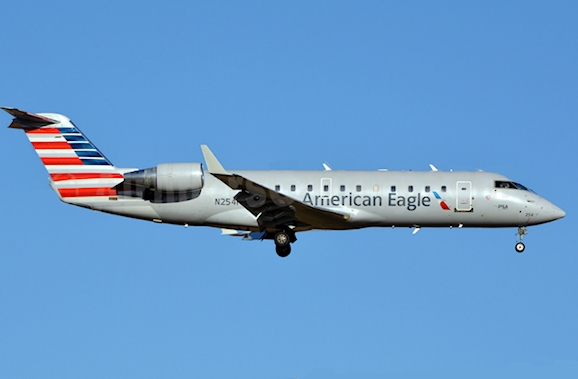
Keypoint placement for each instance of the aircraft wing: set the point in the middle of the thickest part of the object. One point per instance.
(273, 208)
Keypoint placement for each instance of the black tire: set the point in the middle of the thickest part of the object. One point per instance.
(282, 239)
(283, 251)
(520, 247)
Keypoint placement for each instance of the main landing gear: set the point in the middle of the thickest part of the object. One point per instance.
(522, 231)
(283, 241)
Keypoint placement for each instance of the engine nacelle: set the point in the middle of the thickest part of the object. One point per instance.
(168, 177)
(180, 177)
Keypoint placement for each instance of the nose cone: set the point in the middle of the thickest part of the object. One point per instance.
(557, 213)
(544, 211)
(552, 212)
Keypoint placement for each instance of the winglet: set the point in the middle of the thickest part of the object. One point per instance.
(213, 164)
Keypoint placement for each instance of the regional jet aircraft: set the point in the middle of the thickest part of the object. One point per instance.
(276, 204)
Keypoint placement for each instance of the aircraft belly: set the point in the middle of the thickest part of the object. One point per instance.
(142, 211)
(481, 215)
(139, 209)
(203, 212)
(233, 219)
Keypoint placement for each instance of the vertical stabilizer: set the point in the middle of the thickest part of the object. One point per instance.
(77, 168)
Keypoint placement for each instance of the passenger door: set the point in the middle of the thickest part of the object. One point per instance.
(464, 196)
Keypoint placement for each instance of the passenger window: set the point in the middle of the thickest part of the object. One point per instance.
(427, 188)
(410, 188)
(444, 189)
(310, 187)
(277, 188)
(292, 187)
(358, 188)
(326, 188)
(376, 188)
(392, 188)
(342, 188)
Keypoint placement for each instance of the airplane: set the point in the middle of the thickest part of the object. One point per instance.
(276, 205)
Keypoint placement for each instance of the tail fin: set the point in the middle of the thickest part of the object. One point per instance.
(76, 167)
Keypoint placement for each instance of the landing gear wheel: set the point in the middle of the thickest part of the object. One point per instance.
(522, 231)
(283, 251)
(282, 239)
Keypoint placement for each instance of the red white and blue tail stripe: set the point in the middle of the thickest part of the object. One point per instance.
(77, 168)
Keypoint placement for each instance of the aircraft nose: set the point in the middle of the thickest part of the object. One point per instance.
(554, 212)
(547, 211)
(558, 213)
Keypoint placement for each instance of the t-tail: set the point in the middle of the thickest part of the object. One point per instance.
(79, 172)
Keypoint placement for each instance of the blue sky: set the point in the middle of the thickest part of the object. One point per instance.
(272, 85)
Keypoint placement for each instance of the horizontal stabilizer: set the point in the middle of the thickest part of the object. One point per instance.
(27, 121)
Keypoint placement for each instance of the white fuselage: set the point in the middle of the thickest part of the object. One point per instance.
(370, 198)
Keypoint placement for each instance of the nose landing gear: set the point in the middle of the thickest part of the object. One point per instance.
(520, 247)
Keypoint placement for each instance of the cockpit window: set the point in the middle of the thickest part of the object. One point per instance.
(521, 187)
(512, 185)
(502, 184)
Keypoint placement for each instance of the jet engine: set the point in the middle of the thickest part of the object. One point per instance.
(167, 182)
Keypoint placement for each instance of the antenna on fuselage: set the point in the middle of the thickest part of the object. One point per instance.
(326, 167)
(433, 168)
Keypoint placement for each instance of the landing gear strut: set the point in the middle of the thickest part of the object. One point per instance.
(283, 243)
(522, 231)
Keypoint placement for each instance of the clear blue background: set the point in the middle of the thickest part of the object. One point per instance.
(291, 85)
